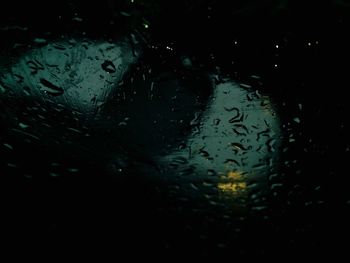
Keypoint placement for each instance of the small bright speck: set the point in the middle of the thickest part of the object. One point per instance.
(145, 25)
(277, 46)
(309, 44)
(236, 42)
(276, 65)
(296, 119)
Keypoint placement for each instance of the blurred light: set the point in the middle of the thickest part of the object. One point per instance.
(232, 188)
(233, 183)
(234, 175)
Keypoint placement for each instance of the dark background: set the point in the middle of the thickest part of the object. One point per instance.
(309, 214)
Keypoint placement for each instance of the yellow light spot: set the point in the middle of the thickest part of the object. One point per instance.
(234, 175)
(232, 183)
(233, 188)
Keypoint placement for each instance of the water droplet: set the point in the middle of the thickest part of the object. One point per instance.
(77, 19)
(59, 46)
(73, 170)
(216, 121)
(193, 186)
(35, 66)
(230, 108)
(72, 42)
(308, 203)
(276, 186)
(187, 171)
(238, 146)
(235, 118)
(259, 208)
(204, 153)
(245, 85)
(108, 66)
(265, 103)
(8, 146)
(2, 89)
(195, 120)
(180, 160)
(23, 125)
(211, 172)
(255, 77)
(125, 14)
(27, 134)
(241, 129)
(26, 90)
(74, 130)
(264, 133)
(270, 145)
(231, 161)
(296, 119)
(18, 78)
(122, 123)
(28, 176)
(50, 88)
(186, 62)
(208, 184)
(39, 40)
(12, 165)
(13, 27)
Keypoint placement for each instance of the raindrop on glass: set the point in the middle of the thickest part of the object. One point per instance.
(50, 88)
(108, 66)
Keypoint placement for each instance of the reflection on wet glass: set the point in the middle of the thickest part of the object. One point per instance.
(233, 183)
(237, 140)
(79, 74)
(232, 145)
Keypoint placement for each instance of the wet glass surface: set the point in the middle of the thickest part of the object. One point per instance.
(188, 127)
